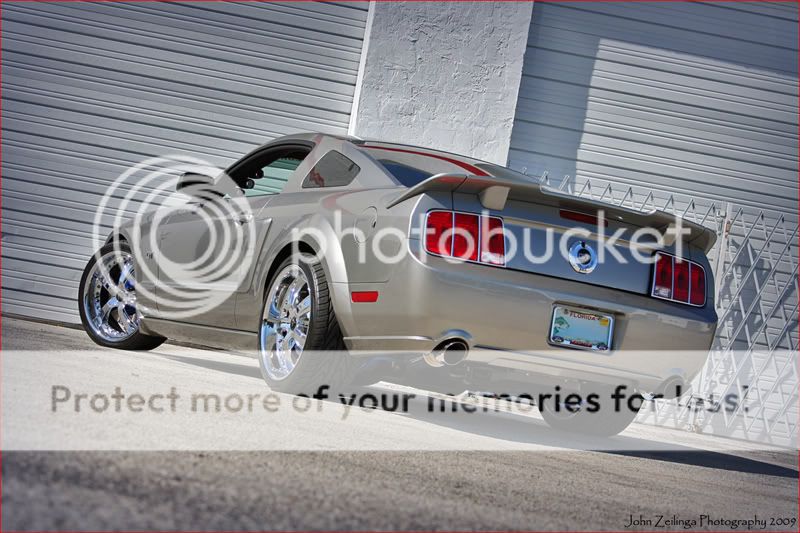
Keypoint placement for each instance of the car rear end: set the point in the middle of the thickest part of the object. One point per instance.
(528, 280)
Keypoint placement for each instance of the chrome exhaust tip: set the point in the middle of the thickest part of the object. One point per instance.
(448, 353)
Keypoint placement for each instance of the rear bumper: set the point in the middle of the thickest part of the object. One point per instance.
(505, 316)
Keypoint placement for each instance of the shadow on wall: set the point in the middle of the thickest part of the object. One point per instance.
(685, 99)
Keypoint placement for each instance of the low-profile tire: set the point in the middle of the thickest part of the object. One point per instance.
(605, 422)
(300, 344)
(107, 301)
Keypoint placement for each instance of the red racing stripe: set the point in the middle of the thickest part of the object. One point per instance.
(466, 166)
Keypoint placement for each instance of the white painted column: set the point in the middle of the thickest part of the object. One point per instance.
(443, 75)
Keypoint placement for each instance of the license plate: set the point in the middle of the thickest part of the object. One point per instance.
(585, 330)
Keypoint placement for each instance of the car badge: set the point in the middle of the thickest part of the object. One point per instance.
(582, 257)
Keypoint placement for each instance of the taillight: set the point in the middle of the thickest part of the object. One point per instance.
(438, 234)
(680, 288)
(466, 236)
(697, 277)
(679, 280)
(662, 284)
(493, 241)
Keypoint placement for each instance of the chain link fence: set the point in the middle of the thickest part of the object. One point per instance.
(755, 267)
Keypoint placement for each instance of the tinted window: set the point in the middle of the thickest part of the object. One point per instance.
(267, 169)
(405, 174)
(410, 166)
(271, 178)
(333, 170)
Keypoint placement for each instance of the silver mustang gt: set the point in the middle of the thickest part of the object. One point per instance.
(340, 259)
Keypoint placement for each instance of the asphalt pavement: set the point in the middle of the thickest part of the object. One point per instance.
(487, 481)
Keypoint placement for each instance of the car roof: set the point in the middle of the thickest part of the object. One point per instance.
(380, 143)
(462, 162)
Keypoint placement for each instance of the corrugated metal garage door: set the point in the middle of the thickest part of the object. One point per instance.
(693, 99)
(91, 89)
(695, 104)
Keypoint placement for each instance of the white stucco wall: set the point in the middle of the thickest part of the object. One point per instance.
(443, 75)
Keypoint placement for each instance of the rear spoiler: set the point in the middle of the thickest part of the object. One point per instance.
(493, 193)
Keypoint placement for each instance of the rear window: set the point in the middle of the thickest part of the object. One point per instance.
(332, 170)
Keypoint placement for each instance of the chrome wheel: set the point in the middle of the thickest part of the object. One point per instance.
(109, 297)
(285, 322)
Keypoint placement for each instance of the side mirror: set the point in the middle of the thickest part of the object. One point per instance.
(199, 187)
(190, 183)
(205, 187)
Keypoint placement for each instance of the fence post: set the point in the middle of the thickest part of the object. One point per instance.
(723, 235)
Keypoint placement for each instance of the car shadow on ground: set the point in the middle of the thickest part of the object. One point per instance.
(526, 429)
(442, 411)
(717, 460)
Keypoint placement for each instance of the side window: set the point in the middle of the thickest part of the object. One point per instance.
(271, 178)
(332, 170)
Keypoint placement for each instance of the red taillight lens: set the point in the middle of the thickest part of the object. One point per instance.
(438, 232)
(466, 236)
(679, 280)
(698, 280)
(680, 287)
(493, 241)
(662, 285)
(583, 217)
